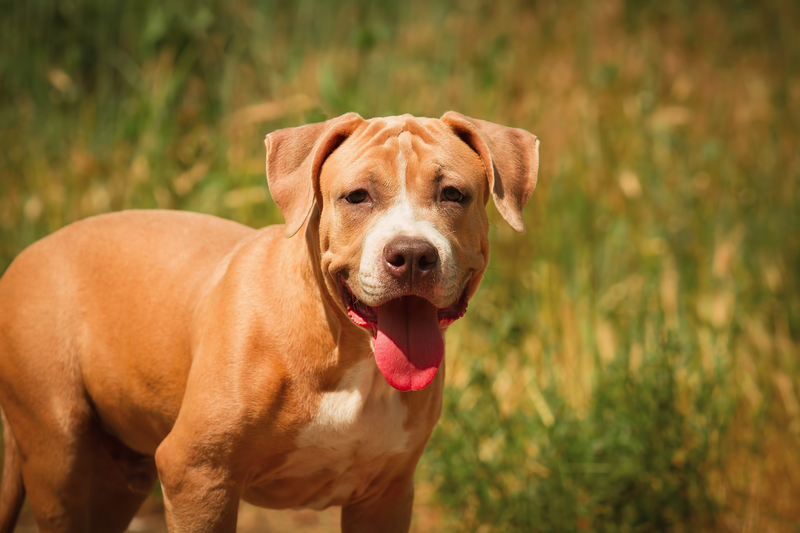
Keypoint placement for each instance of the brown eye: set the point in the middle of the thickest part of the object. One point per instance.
(451, 194)
(357, 196)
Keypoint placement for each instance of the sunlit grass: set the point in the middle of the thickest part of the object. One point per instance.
(631, 362)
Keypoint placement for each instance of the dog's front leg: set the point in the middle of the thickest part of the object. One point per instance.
(200, 492)
(390, 513)
(197, 461)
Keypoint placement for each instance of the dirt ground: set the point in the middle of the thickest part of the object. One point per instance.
(150, 519)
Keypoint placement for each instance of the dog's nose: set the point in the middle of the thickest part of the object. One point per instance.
(410, 259)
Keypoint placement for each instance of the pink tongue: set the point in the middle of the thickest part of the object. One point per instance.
(408, 346)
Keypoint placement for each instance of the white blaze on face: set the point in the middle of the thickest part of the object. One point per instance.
(402, 219)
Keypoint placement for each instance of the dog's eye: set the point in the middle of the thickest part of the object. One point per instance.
(451, 194)
(357, 196)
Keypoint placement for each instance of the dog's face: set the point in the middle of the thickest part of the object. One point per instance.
(402, 225)
(403, 214)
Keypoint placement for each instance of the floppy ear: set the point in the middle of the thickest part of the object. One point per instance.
(511, 159)
(294, 160)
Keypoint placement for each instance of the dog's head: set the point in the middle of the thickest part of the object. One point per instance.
(402, 225)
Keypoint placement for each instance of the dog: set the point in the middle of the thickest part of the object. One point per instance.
(295, 366)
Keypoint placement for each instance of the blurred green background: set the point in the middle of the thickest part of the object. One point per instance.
(631, 362)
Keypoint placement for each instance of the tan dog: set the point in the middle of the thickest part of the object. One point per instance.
(235, 363)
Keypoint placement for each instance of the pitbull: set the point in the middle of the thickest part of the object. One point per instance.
(295, 366)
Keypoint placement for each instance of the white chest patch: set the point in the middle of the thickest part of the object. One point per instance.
(359, 424)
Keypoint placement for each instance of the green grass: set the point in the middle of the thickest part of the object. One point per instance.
(631, 362)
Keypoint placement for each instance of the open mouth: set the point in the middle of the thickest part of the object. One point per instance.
(407, 336)
(367, 317)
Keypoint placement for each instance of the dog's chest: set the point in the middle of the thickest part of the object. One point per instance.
(356, 429)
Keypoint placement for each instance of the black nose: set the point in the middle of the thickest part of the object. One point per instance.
(410, 259)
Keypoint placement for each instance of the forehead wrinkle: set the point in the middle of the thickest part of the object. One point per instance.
(389, 151)
(379, 131)
(422, 169)
(414, 126)
(423, 150)
(365, 159)
(375, 133)
(379, 162)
